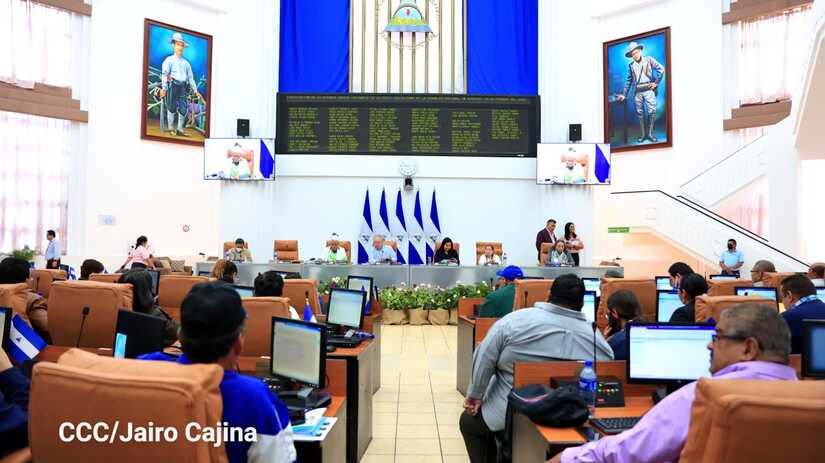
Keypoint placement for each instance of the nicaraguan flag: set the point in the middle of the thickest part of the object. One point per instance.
(432, 228)
(72, 273)
(416, 233)
(398, 229)
(602, 169)
(365, 233)
(307, 312)
(267, 162)
(24, 343)
(382, 227)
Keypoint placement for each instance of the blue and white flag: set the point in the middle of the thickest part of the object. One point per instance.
(382, 225)
(602, 169)
(416, 233)
(432, 228)
(24, 343)
(398, 229)
(72, 273)
(267, 162)
(365, 234)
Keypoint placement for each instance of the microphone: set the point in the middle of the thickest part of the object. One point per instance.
(82, 323)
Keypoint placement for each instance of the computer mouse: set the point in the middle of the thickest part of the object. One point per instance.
(331, 348)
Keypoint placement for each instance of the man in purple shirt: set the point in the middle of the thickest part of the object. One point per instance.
(752, 342)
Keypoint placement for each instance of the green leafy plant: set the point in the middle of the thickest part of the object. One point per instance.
(26, 253)
(335, 282)
(392, 298)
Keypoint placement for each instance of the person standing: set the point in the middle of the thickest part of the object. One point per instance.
(546, 235)
(731, 260)
(140, 256)
(574, 243)
(176, 78)
(52, 253)
(644, 74)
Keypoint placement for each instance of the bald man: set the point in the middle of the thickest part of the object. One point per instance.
(760, 268)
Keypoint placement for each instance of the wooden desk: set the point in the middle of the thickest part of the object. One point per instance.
(360, 389)
(333, 448)
(470, 334)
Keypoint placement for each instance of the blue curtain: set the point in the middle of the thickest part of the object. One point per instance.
(314, 41)
(502, 47)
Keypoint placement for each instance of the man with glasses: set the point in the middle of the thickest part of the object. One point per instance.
(752, 341)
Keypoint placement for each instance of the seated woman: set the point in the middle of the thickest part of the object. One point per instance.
(144, 302)
(90, 266)
(691, 286)
(489, 257)
(446, 253)
(622, 308)
(217, 269)
(559, 256)
(230, 273)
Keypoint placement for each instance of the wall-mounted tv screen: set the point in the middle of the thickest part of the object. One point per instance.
(239, 159)
(573, 164)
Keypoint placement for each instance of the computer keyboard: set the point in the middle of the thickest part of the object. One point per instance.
(614, 425)
(343, 342)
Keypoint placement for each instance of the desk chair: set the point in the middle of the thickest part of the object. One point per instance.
(43, 279)
(103, 300)
(545, 250)
(712, 306)
(297, 291)
(528, 292)
(108, 390)
(480, 245)
(726, 287)
(738, 421)
(16, 297)
(172, 289)
(774, 279)
(643, 288)
(347, 247)
(259, 313)
(105, 277)
(287, 250)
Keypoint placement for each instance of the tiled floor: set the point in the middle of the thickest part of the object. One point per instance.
(415, 413)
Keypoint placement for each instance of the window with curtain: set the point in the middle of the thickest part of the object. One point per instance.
(34, 150)
(770, 56)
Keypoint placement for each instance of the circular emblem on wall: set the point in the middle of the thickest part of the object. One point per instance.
(411, 18)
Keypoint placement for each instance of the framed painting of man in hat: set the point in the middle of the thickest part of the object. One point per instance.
(177, 75)
(637, 96)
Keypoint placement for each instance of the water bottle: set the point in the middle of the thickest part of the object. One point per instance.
(587, 386)
(504, 259)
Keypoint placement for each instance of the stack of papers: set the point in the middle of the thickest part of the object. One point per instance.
(315, 427)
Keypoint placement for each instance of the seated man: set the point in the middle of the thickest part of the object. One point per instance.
(379, 252)
(90, 266)
(549, 331)
(212, 331)
(239, 253)
(760, 268)
(692, 286)
(14, 407)
(500, 302)
(816, 272)
(676, 271)
(799, 297)
(13, 271)
(752, 342)
(334, 252)
(271, 284)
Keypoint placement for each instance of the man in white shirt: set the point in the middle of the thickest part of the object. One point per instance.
(380, 253)
(333, 252)
(237, 168)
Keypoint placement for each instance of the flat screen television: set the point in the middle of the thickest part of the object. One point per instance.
(239, 159)
(573, 164)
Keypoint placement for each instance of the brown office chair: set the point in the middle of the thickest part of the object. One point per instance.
(227, 245)
(287, 250)
(16, 297)
(545, 250)
(172, 289)
(712, 306)
(528, 292)
(456, 246)
(297, 291)
(480, 245)
(726, 287)
(738, 421)
(644, 289)
(103, 300)
(84, 387)
(105, 277)
(774, 280)
(43, 279)
(347, 247)
(259, 313)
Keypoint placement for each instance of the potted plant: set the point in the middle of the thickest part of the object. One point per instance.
(26, 253)
(392, 301)
(325, 286)
(442, 301)
(466, 297)
(417, 299)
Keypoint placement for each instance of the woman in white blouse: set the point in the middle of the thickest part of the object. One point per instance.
(574, 243)
(489, 257)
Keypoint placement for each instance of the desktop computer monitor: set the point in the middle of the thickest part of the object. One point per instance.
(244, 291)
(666, 303)
(298, 351)
(591, 303)
(5, 325)
(204, 273)
(768, 293)
(593, 284)
(346, 307)
(155, 274)
(813, 349)
(137, 334)
(360, 283)
(652, 348)
(723, 277)
(663, 282)
(820, 293)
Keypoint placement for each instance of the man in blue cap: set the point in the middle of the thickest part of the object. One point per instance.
(500, 302)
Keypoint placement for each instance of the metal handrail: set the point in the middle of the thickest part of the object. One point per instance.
(710, 216)
(723, 160)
